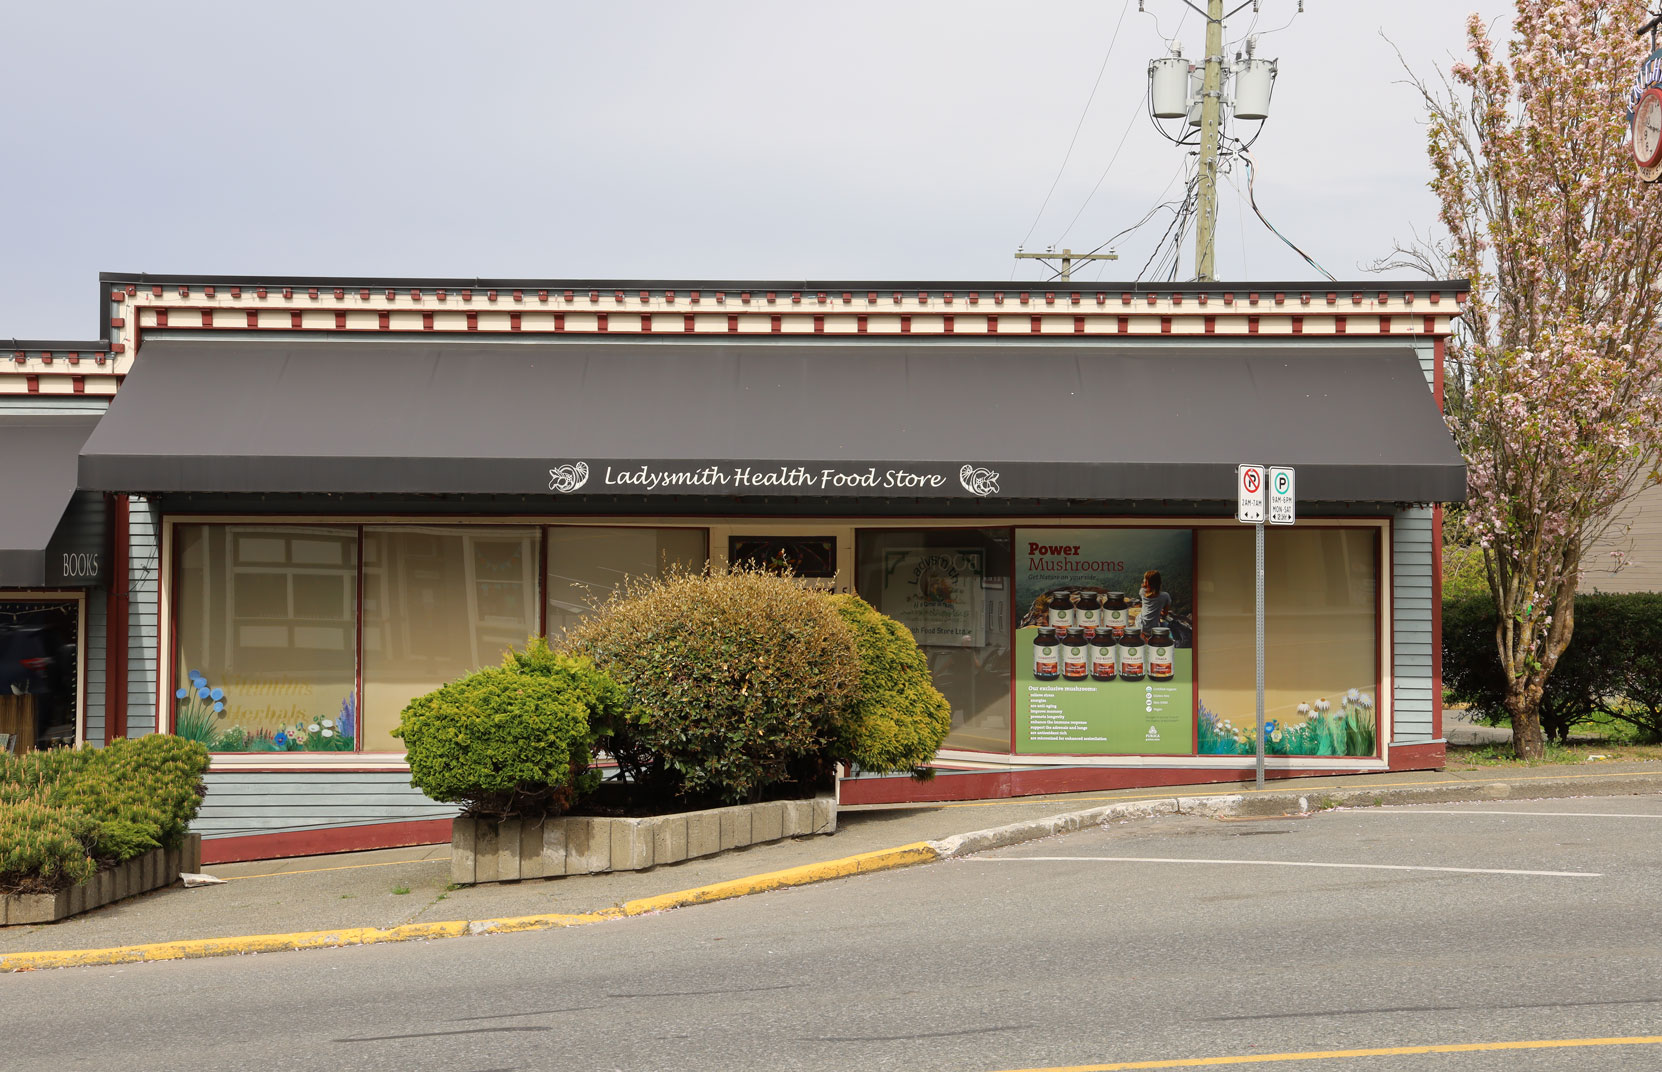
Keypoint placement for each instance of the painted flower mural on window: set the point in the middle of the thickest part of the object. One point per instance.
(200, 714)
(1320, 728)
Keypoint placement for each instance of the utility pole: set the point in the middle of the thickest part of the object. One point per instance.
(1211, 123)
(1210, 98)
(1068, 256)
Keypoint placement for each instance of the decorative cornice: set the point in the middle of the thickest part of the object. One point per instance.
(571, 307)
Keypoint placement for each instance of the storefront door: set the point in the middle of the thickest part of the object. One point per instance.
(39, 673)
(821, 555)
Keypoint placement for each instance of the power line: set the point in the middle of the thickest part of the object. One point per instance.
(1079, 125)
(1251, 174)
(1101, 177)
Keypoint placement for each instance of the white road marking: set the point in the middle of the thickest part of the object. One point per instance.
(1278, 863)
(1410, 809)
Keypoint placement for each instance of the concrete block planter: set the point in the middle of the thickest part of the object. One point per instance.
(484, 851)
(141, 874)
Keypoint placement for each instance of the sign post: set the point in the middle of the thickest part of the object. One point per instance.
(1253, 486)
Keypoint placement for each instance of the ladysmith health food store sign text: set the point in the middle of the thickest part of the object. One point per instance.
(738, 478)
(1104, 648)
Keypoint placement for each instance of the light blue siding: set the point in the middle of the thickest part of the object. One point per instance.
(93, 657)
(143, 564)
(1411, 624)
(240, 804)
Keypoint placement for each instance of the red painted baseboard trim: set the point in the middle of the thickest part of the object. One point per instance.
(318, 842)
(984, 785)
(1428, 756)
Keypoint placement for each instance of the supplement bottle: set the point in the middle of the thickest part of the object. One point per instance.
(1131, 656)
(1047, 655)
(1076, 655)
(1113, 612)
(1104, 655)
(1087, 613)
(1061, 610)
(1162, 654)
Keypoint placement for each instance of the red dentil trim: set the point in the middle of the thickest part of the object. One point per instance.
(317, 842)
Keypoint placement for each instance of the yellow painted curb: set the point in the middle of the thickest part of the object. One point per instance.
(881, 860)
(918, 852)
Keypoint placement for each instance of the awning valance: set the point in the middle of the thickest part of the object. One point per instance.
(874, 419)
(49, 535)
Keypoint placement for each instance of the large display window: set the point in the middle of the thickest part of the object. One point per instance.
(1109, 640)
(314, 638)
(1105, 642)
(587, 563)
(266, 637)
(951, 588)
(1321, 642)
(1142, 641)
(440, 601)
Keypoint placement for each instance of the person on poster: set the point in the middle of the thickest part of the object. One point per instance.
(1155, 603)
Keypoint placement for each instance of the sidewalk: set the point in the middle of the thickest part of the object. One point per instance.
(398, 887)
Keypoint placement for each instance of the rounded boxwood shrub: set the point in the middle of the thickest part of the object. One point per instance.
(737, 680)
(509, 741)
(898, 717)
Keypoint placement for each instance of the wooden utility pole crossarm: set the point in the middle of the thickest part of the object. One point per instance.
(1067, 257)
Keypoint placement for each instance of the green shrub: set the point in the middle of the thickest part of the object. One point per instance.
(898, 718)
(1612, 666)
(43, 847)
(1627, 650)
(1463, 573)
(66, 812)
(736, 681)
(510, 741)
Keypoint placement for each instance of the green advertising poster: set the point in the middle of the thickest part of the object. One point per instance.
(1105, 641)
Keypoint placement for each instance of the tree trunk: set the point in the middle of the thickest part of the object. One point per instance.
(1523, 703)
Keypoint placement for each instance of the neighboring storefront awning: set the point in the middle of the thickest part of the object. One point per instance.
(719, 418)
(50, 536)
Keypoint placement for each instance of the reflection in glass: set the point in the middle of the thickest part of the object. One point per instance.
(1321, 641)
(265, 637)
(951, 587)
(588, 563)
(440, 601)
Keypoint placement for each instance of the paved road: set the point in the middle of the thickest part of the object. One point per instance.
(1157, 940)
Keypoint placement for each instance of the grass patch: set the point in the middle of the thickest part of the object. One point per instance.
(401, 890)
(1488, 756)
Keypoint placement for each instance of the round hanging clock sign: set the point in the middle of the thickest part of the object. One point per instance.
(1647, 133)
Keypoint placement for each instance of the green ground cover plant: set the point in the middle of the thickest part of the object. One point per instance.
(66, 813)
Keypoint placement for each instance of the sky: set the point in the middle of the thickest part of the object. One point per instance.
(906, 139)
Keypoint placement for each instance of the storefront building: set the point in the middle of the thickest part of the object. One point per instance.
(330, 495)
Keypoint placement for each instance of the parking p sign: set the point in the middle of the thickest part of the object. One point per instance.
(1249, 494)
(1281, 495)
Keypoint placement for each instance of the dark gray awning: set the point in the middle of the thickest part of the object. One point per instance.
(875, 419)
(49, 535)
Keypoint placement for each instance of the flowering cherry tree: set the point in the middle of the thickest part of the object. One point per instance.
(1553, 375)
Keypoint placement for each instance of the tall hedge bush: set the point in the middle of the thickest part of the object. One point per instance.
(1612, 667)
(897, 718)
(511, 741)
(737, 680)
